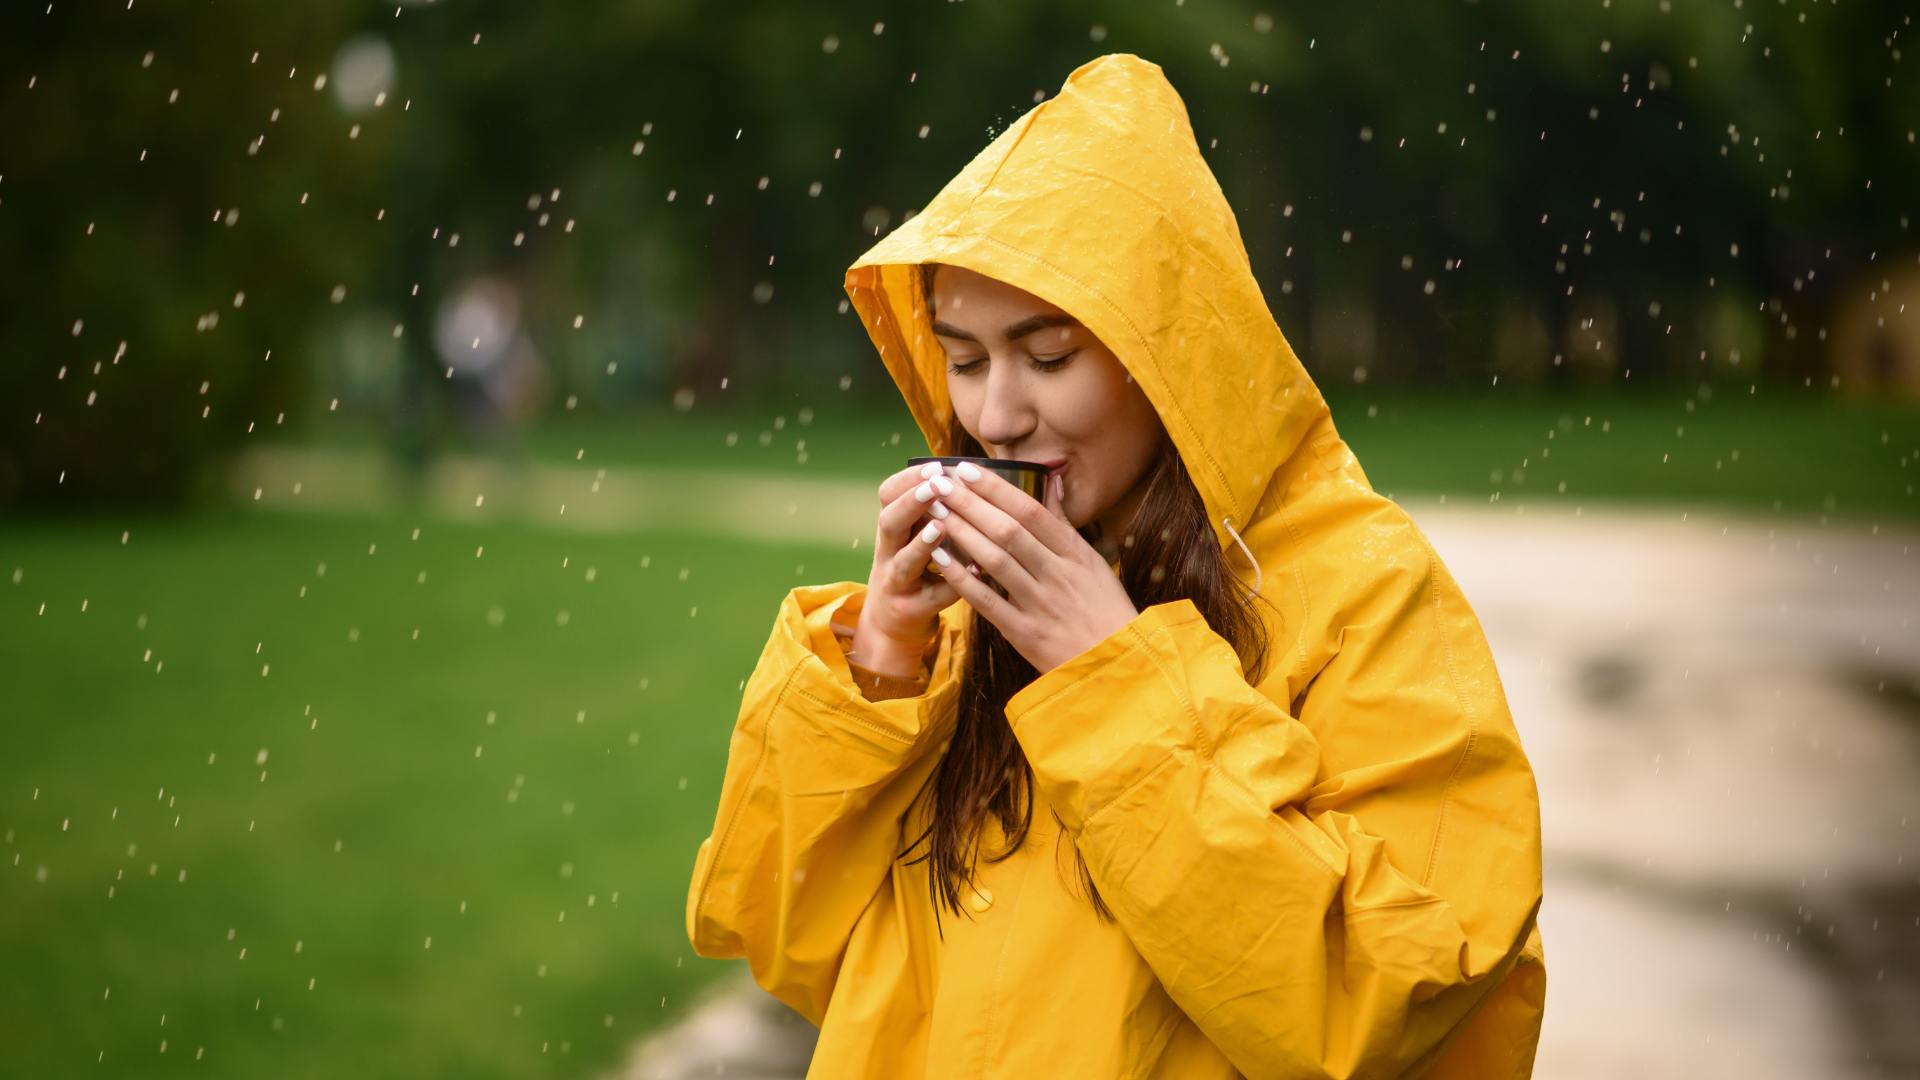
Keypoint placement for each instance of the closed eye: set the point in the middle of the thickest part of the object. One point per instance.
(1040, 363)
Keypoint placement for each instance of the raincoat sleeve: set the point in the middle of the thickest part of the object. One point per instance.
(817, 780)
(1327, 895)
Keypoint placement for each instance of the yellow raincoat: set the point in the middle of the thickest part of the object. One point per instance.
(1335, 873)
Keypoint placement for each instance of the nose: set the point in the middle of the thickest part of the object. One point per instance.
(1006, 412)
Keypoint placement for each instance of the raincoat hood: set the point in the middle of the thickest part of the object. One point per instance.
(1099, 202)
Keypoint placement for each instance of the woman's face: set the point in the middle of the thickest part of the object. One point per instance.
(1032, 383)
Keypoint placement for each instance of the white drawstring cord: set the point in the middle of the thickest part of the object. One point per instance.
(1228, 522)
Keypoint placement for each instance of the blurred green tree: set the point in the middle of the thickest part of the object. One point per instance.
(1438, 193)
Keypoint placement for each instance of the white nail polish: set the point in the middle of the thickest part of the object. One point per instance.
(940, 556)
(930, 470)
(945, 485)
(968, 471)
(931, 533)
(924, 491)
(940, 511)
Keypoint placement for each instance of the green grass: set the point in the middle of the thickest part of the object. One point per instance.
(1804, 450)
(501, 759)
(1776, 451)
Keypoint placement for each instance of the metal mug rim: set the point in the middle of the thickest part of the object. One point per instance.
(995, 463)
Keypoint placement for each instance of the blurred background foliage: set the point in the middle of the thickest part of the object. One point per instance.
(232, 222)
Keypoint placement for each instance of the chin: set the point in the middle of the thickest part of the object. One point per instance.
(1080, 521)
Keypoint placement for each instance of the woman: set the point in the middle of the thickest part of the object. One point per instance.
(1288, 828)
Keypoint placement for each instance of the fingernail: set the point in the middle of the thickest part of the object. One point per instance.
(931, 533)
(940, 556)
(968, 471)
(924, 491)
(930, 470)
(945, 485)
(940, 510)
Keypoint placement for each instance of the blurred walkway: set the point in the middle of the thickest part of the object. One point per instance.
(1723, 714)
(1724, 718)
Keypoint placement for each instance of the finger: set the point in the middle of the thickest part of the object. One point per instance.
(903, 515)
(977, 593)
(914, 561)
(908, 547)
(1057, 498)
(993, 557)
(906, 478)
(1003, 532)
(900, 481)
(1049, 532)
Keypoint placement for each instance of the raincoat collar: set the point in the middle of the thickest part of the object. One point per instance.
(1098, 200)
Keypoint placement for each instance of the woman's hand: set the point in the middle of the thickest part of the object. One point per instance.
(1062, 597)
(901, 614)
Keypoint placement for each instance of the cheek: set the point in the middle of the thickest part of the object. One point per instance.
(1085, 406)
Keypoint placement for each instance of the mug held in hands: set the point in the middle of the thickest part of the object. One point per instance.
(1028, 476)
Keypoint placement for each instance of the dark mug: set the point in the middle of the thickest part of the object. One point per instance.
(1028, 476)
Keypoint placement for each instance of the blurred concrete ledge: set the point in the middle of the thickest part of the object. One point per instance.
(594, 498)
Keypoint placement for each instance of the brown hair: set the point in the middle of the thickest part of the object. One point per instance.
(1169, 553)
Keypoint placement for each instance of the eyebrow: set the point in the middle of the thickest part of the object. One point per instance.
(1012, 333)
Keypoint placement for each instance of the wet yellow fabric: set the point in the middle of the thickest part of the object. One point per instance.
(1334, 873)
